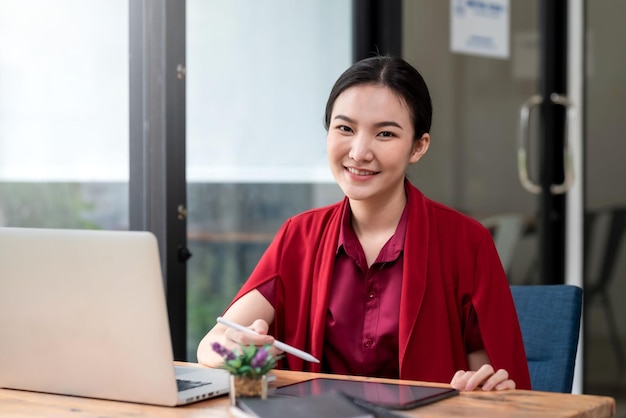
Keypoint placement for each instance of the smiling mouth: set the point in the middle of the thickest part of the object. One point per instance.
(361, 172)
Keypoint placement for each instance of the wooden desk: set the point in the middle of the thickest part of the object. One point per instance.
(514, 403)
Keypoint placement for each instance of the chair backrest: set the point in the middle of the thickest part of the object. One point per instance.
(549, 317)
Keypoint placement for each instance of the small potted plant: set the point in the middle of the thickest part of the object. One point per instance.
(248, 369)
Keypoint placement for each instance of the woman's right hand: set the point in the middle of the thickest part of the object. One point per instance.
(253, 311)
(236, 338)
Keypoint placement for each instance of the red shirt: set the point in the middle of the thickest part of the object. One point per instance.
(361, 334)
(450, 267)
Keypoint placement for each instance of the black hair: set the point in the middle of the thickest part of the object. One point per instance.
(398, 75)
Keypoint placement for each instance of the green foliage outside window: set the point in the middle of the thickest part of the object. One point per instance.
(50, 205)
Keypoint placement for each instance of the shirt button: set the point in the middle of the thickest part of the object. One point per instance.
(371, 294)
(368, 343)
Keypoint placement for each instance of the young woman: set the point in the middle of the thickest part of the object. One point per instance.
(385, 283)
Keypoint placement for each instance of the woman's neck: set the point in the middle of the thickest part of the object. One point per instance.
(375, 218)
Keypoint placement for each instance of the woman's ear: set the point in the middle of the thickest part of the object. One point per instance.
(419, 148)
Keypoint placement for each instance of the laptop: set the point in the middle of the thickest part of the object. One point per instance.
(83, 313)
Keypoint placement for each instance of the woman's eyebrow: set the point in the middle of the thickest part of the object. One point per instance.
(377, 124)
(346, 118)
(387, 123)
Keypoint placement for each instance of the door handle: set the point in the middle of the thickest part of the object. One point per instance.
(568, 166)
(522, 145)
(523, 139)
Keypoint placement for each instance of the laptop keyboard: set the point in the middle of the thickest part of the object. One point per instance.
(189, 384)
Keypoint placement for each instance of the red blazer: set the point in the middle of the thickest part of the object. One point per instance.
(450, 262)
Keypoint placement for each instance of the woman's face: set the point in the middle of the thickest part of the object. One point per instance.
(370, 143)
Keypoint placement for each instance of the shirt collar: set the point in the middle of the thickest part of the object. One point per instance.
(351, 245)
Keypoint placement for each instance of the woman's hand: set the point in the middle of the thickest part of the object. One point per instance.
(253, 311)
(235, 338)
(485, 376)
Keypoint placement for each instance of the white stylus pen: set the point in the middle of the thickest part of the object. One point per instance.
(280, 345)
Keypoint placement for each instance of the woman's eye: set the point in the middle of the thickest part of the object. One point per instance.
(344, 128)
(386, 134)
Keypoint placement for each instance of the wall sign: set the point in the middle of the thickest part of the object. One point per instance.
(480, 27)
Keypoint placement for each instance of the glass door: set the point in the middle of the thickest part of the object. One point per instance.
(489, 112)
(605, 201)
(472, 164)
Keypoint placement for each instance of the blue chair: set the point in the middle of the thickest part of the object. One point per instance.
(549, 317)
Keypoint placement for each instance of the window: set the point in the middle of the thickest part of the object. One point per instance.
(258, 76)
(64, 113)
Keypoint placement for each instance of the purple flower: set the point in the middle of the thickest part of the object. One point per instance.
(259, 358)
(223, 351)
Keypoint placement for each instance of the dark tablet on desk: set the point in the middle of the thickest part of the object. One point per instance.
(389, 395)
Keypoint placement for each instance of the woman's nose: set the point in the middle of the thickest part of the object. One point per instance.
(360, 148)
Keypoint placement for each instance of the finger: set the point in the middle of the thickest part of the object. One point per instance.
(243, 338)
(260, 326)
(498, 377)
(460, 378)
(457, 376)
(479, 377)
(506, 385)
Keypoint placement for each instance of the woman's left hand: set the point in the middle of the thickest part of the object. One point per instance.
(485, 376)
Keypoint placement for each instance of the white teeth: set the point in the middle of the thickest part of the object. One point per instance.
(359, 172)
